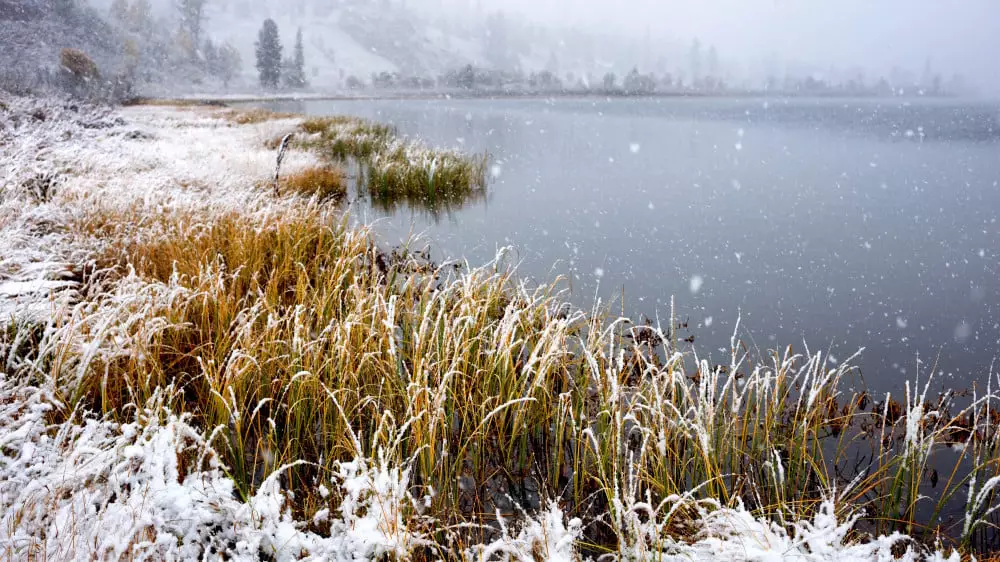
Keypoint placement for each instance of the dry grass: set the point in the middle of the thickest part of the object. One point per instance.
(254, 116)
(324, 182)
(320, 125)
(290, 334)
(434, 176)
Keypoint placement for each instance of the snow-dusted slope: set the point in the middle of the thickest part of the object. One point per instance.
(344, 38)
(356, 40)
(32, 32)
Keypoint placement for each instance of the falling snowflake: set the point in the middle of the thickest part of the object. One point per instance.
(695, 284)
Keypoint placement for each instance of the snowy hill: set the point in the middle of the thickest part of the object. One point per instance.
(359, 38)
(33, 32)
(342, 39)
(348, 40)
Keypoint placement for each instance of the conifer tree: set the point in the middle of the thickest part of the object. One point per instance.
(269, 54)
(229, 64)
(293, 70)
(299, 61)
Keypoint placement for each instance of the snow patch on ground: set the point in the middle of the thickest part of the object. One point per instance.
(65, 162)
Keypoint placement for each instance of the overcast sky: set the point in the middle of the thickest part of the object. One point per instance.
(958, 35)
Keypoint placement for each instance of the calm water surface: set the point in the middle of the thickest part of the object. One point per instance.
(840, 224)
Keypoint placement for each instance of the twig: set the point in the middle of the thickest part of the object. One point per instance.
(281, 157)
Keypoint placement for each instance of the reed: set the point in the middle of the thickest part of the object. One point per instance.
(294, 338)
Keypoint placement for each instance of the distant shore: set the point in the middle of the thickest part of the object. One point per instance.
(450, 94)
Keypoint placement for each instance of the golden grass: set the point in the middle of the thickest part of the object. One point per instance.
(254, 116)
(325, 182)
(292, 333)
(443, 176)
(319, 125)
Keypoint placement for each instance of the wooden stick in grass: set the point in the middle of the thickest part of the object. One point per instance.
(281, 156)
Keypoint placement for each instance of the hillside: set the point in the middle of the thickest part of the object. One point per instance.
(342, 39)
(34, 31)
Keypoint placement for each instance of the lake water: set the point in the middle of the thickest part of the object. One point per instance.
(841, 224)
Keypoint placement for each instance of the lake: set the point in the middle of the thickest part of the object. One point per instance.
(836, 223)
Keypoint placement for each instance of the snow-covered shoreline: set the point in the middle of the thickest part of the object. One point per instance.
(153, 488)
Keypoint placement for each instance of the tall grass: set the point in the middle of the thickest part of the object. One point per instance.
(394, 168)
(294, 338)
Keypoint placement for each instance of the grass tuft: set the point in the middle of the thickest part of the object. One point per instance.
(394, 168)
(324, 182)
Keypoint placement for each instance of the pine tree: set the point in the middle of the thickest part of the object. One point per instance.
(140, 17)
(293, 70)
(300, 61)
(65, 7)
(210, 54)
(269, 54)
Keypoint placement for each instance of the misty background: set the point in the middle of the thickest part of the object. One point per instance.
(735, 44)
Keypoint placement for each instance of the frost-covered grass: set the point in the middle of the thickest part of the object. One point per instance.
(394, 168)
(246, 375)
(343, 138)
(254, 116)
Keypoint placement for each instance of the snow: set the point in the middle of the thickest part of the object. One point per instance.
(695, 284)
(101, 490)
(142, 157)
(734, 534)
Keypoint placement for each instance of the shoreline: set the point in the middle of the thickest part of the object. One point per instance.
(419, 95)
(585, 396)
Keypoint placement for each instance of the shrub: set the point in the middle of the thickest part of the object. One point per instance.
(78, 64)
(79, 72)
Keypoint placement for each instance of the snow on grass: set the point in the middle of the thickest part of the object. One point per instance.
(545, 537)
(140, 161)
(735, 534)
(153, 489)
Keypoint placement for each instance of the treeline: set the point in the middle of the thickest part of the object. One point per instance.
(153, 49)
(474, 78)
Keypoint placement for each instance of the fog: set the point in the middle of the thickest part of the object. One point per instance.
(905, 41)
(957, 37)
